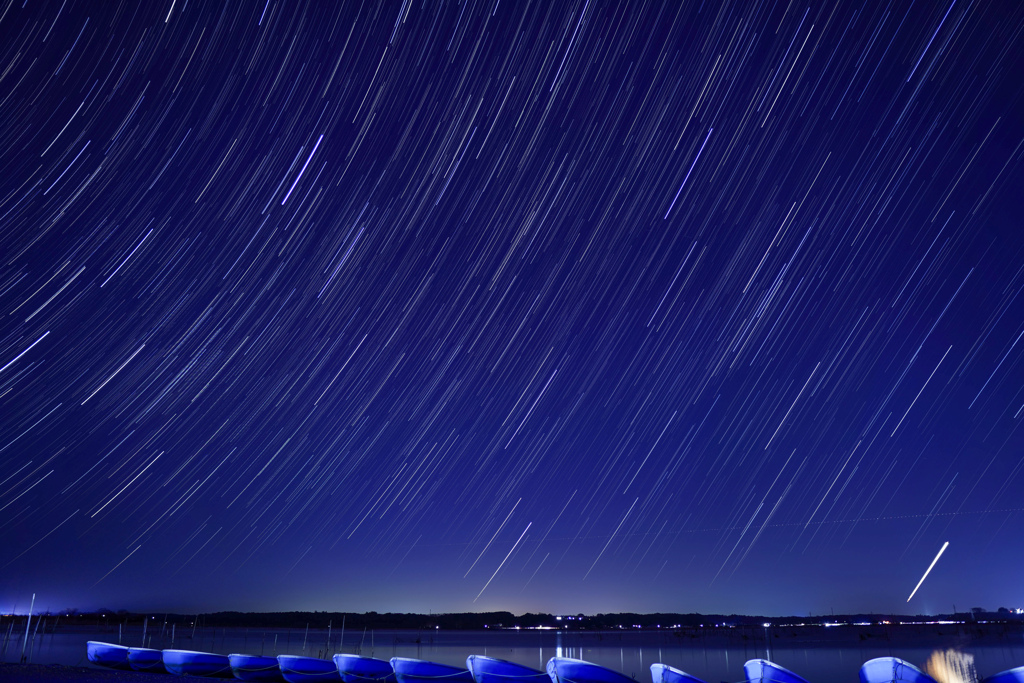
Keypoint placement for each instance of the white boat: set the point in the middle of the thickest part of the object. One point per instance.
(663, 673)
(1009, 676)
(356, 669)
(307, 669)
(408, 670)
(763, 671)
(107, 654)
(892, 670)
(192, 663)
(146, 659)
(569, 670)
(255, 668)
(492, 670)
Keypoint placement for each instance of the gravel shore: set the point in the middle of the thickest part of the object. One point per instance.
(59, 673)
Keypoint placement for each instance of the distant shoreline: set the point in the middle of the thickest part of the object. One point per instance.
(708, 630)
(980, 624)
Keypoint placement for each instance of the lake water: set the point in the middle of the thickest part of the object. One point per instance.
(631, 652)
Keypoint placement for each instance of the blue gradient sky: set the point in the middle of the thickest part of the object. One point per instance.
(564, 307)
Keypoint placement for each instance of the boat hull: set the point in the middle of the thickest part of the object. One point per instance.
(567, 670)
(1009, 676)
(254, 668)
(663, 673)
(307, 669)
(892, 670)
(356, 669)
(146, 659)
(421, 671)
(763, 671)
(192, 663)
(107, 654)
(491, 670)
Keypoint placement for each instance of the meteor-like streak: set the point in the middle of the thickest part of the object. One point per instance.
(926, 571)
(503, 562)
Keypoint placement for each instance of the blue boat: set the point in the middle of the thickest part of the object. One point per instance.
(107, 654)
(892, 670)
(566, 670)
(356, 669)
(663, 673)
(192, 663)
(421, 671)
(146, 659)
(763, 671)
(1009, 676)
(307, 669)
(255, 668)
(491, 670)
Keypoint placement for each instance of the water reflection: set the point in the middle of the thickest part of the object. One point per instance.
(632, 653)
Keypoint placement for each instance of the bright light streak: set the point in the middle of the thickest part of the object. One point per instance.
(503, 562)
(299, 177)
(670, 206)
(941, 550)
(11, 362)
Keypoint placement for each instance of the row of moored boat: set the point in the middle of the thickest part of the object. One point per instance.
(479, 669)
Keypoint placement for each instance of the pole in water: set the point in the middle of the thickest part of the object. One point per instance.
(25, 642)
(926, 571)
(35, 634)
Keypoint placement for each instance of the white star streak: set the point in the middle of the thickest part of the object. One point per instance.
(926, 572)
(503, 562)
(610, 539)
(10, 362)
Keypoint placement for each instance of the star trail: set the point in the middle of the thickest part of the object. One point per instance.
(574, 306)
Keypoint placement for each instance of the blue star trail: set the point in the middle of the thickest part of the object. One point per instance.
(570, 307)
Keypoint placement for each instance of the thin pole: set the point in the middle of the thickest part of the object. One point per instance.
(35, 634)
(25, 642)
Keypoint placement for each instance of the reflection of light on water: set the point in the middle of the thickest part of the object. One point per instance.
(950, 666)
(558, 644)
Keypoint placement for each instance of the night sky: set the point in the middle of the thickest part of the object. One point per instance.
(537, 306)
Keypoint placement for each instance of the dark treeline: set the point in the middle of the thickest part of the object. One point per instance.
(491, 620)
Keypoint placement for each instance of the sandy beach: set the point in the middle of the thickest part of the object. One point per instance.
(58, 673)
